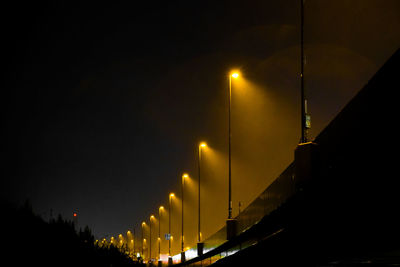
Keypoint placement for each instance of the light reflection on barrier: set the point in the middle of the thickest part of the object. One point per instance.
(269, 200)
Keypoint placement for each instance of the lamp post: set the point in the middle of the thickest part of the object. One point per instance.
(199, 244)
(134, 241)
(230, 223)
(121, 243)
(183, 258)
(169, 228)
(305, 117)
(160, 209)
(143, 225)
(151, 217)
(129, 240)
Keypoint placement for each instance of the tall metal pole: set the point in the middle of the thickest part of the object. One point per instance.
(182, 189)
(229, 158)
(199, 162)
(150, 241)
(142, 242)
(303, 97)
(133, 238)
(169, 226)
(159, 233)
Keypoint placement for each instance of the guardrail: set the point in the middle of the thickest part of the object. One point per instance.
(217, 247)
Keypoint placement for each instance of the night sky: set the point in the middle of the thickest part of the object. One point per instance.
(104, 104)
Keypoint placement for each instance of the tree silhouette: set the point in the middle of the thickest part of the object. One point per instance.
(29, 240)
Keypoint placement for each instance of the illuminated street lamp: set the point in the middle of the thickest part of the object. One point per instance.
(171, 195)
(129, 237)
(230, 223)
(121, 240)
(234, 75)
(199, 244)
(184, 176)
(160, 209)
(143, 225)
(133, 238)
(151, 217)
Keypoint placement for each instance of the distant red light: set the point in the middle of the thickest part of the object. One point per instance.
(75, 214)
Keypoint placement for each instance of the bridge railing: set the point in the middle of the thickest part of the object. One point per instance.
(217, 247)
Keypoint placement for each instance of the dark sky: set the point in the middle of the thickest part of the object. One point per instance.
(104, 103)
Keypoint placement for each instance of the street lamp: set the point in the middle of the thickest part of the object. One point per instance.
(133, 238)
(160, 209)
(230, 223)
(129, 238)
(121, 242)
(184, 176)
(171, 195)
(143, 225)
(199, 244)
(151, 217)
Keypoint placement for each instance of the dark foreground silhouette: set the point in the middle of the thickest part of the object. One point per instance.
(28, 240)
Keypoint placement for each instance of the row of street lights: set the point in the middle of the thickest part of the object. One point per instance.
(161, 208)
(231, 223)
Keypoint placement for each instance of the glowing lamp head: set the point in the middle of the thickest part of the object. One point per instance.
(185, 175)
(161, 207)
(203, 144)
(151, 217)
(235, 75)
(171, 195)
(74, 214)
(143, 223)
